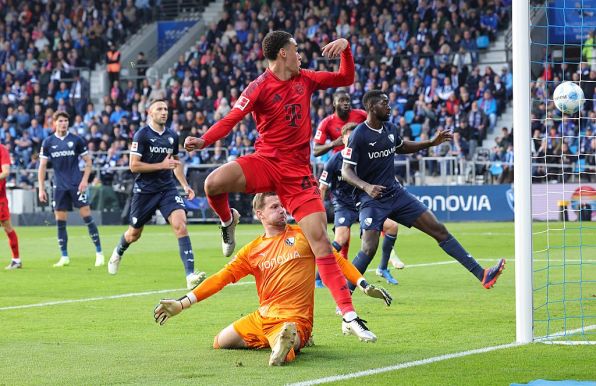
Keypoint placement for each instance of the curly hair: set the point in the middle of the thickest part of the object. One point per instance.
(273, 42)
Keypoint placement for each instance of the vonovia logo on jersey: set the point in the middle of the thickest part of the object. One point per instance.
(391, 138)
(368, 221)
(290, 241)
(171, 140)
(70, 144)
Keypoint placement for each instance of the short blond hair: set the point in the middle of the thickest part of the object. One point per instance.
(258, 202)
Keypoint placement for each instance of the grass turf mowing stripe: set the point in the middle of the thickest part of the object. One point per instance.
(132, 294)
(129, 295)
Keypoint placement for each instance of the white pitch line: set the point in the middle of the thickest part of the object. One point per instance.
(405, 365)
(422, 362)
(84, 300)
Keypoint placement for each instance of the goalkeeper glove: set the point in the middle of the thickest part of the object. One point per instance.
(375, 292)
(168, 308)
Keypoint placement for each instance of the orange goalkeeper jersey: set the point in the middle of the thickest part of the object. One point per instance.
(284, 269)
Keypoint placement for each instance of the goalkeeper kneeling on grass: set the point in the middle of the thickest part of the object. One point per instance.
(284, 269)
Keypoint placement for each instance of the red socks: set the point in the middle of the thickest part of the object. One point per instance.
(334, 279)
(13, 240)
(221, 206)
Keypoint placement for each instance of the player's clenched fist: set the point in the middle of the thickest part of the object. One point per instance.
(43, 197)
(193, 143)
(334, 49)
(170, 162)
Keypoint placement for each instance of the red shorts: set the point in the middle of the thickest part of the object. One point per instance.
(294, 184)
(4, 212)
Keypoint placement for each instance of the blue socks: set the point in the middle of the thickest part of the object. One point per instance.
(186, 254)
(455, 250)
(93, 232)
(361, 262)
(122, 246)
(388, 243)
(62, 237)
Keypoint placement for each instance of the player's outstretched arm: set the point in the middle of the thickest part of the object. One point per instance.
(409, 147)
(168, 308)
(345, 75)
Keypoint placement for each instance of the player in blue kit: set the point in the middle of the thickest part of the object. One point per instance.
(63, 149)
(154, 158)
(368, 164)
(346, 212)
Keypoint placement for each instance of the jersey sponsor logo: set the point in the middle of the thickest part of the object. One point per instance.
(278, 260)
(293, 114)
(372, 143)
(160, 150)
(62, 153)
(391, 138)
(324, 175)
(299, 88)
(318, 134)
(134, 146)
(380, 154)
(347, 153)
(242, 102)
(290, 241)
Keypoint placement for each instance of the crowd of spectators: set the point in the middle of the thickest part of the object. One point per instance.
(423, 53)
(564, 146)
(46, 48)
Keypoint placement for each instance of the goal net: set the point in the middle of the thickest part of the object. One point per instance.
(563, 176)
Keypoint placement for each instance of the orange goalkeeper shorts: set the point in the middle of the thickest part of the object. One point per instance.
(260, 332)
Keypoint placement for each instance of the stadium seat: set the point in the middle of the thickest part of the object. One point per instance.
(409, 116)
(482, 42)
(580, 166)
(416, 129)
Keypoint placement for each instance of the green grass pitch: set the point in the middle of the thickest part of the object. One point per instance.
(439, 309)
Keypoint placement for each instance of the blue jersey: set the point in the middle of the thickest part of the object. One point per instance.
(153, 148)
(373, 152)
(341, 190)
(64, 154)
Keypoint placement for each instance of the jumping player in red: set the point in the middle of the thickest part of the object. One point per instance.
(13, 240)
(279, 100)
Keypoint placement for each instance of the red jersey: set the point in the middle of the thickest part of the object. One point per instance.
(4, 160)
(281, 110)
(330, 127)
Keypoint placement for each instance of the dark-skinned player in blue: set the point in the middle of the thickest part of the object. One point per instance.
(369, 166)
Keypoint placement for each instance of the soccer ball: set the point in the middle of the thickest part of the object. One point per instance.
(568, 97)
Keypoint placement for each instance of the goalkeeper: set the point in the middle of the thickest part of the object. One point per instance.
(284, 269)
